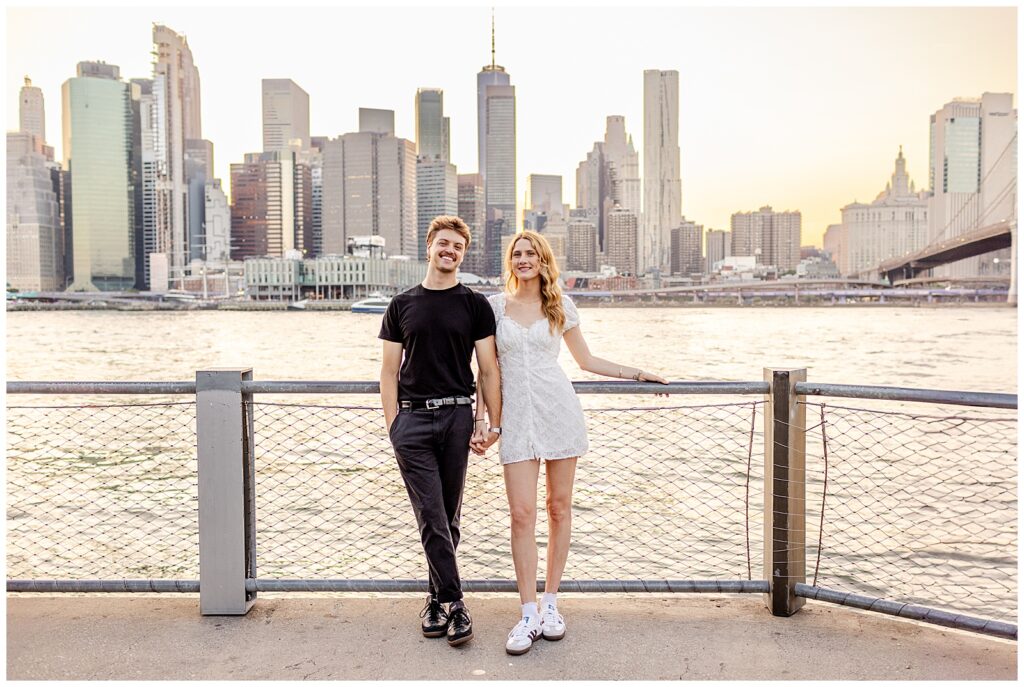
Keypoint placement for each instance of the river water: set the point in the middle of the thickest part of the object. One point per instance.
(919, 503)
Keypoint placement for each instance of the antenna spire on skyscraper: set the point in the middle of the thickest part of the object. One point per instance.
(493, 62)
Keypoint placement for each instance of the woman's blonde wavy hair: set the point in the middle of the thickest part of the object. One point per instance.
(550, 291)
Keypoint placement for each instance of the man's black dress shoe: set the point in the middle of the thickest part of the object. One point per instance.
(460, 626)
(435, 618)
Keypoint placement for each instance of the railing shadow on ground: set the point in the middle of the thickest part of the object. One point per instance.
(872, 507)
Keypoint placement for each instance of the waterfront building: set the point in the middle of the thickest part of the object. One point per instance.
(332, 277)
(285, 115)
(372, 120)
(218, 222)
(433, 129)
(972, 176)
(544, 195)
(257, 224)
(773, 238)
(437, 193)
(662, 185)
(718, 247)
(316, 174)
(816, 267)
(369, 186)
(496, 157)
(685, 242)
(624, 163)
(471, 208)
(500, 167)
(97, 134)
(176, 95)
(32, 115)
(621, 241)
(835, 245)
(35, 255)
(581, 246)
(894, 224)
(594, 190)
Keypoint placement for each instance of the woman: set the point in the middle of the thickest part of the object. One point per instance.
(542, 422)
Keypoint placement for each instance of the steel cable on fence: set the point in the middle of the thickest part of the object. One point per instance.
(102, 491)
(661, 495)
(921, 507)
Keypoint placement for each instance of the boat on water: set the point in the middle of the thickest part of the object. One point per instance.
(298, 305)
(373, 304)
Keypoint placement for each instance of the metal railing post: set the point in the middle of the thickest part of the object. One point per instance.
(784, 490)
(226, 517)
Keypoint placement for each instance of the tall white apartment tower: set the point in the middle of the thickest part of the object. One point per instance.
(972, 175)
(662, 208)
(285, 115)
(31, 115)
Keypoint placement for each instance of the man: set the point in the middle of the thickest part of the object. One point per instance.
(427, 406)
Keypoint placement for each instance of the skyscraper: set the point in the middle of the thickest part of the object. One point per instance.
(369, 186)
(685, 240)
(717, 247)
(594, 190)
(437, 193)
(773, 238)
(31, 112)
(544, 194)
(177, 120)
(97, 132)
(432, 127)
(471, 210)
(35, 259)
(621, 241)
(662, 186)
(500, 167)
(496, 142)
(285, 115)
(257, 221)
(581, 246)
(437, 185)
(973, 175)
(624, 162)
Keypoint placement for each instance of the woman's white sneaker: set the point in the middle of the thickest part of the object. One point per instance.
(523, 635)
(552, 623)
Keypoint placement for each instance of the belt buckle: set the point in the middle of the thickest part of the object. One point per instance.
(433, 403)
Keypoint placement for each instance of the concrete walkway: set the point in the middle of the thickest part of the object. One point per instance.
(642, 637)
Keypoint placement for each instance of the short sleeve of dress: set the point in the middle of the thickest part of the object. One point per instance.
(572, 317)
(495, 301)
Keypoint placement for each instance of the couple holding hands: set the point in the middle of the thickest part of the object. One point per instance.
(430, 333)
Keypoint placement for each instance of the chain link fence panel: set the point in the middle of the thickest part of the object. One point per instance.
(918, 508)
(662, 494)
(102, 492)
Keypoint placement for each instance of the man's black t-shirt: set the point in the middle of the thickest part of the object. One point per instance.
(437, 330)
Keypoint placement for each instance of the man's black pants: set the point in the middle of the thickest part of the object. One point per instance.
(432, 448)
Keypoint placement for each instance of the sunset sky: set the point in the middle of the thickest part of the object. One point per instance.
(801, 108)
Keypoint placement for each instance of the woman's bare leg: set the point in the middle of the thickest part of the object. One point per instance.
(560, 476)
(521, 489)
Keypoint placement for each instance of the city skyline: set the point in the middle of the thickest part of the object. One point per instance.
(771, 138)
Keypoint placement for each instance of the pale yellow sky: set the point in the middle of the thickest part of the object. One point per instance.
(801, 108)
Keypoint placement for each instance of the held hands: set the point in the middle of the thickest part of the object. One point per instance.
(482, 438)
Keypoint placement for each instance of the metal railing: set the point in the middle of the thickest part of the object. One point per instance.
(673, 496)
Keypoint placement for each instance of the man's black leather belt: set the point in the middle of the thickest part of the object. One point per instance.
(435, 403)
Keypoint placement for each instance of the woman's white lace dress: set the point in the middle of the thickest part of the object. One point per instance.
(541, 416)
